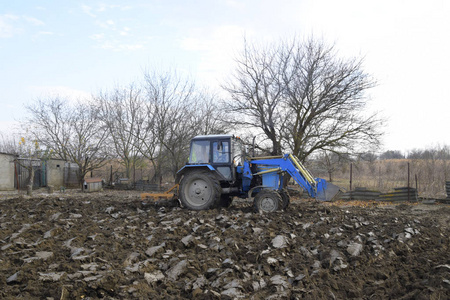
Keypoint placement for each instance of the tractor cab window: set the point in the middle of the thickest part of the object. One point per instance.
(221, 152)
(199, 152)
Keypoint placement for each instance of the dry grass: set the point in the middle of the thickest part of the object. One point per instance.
(379, 175)
(385, 175)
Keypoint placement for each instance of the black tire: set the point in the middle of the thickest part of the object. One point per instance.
(285, 199)
(199, 190)
(225, 201)
(267, 201)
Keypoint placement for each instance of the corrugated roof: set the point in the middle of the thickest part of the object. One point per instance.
(8, 154)
(92, 180)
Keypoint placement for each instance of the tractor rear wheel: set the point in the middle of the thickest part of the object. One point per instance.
(199, 190)
(267, 201)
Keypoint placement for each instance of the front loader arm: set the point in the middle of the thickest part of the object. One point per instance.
(316, 187)
(290, 164)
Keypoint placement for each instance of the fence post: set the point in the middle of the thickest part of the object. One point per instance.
(409, 199)
(417, 186)
(17, 175)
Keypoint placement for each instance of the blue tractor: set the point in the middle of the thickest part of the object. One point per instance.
(218, 170)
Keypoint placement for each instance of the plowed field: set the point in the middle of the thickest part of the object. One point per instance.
(111, 245)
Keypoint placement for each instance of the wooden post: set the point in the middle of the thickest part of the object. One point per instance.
(351, 178)
(110, 176)
(134, 174)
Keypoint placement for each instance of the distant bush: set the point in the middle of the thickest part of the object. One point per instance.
(392, 154)
(437, 153)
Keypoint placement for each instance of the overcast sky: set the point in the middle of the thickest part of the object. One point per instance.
(77, 48)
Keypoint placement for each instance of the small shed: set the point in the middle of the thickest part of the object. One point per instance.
(55, 172)
(7, 171)
(92, 185)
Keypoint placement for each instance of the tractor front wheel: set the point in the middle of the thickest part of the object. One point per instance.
(199, 191)
(267, 201)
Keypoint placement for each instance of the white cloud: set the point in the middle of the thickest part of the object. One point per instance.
(131, 46)
(117, 46)
(97, 36)
(11, 17)
(124, 31)
(46, 33)
(33, 21)
(109, 24)
(88, 10)
(7, 27)
(11, 25)
(6, 30)
(235, 4)
(42, 34)
(218, 47)
(115, 39)
(101, 8)
(193, 44)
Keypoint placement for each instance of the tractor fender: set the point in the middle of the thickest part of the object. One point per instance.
(190, 168)
(262, 187)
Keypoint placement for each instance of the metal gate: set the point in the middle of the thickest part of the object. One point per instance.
(22, 173)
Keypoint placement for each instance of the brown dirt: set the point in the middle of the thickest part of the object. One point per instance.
(113, 246)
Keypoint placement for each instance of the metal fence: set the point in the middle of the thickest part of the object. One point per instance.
(401, 194)
(447, 190)
(70, 175)
(398, 195)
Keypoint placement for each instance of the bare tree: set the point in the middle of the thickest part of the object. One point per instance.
(72, 132)
(257, 94)
(331, 162)
(121, 112)
(8, 144)
(167, 102)
(304, 98)
(208, 115)
(176, 111)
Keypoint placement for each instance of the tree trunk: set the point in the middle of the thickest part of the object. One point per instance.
(30, 180)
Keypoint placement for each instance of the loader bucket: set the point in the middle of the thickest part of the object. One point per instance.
(326, 191)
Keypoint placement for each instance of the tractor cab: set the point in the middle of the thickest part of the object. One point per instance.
(222, 152)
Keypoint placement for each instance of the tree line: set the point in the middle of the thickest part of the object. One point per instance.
(297, 96)
(433, 153)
